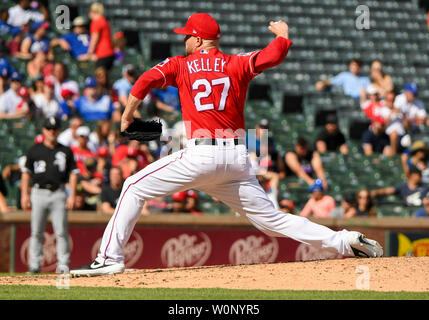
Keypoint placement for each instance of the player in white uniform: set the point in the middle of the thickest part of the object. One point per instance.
(212, 88)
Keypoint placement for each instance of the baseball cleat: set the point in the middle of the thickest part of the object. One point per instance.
(97, 269)
(363, 247)
(33, 271)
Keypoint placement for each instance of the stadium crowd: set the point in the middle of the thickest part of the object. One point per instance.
(92, 111)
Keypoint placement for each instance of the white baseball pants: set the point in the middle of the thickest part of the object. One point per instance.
(222, 171)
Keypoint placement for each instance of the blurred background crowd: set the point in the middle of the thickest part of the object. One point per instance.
(84, 75)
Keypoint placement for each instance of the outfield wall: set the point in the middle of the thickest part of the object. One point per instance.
(183, 240)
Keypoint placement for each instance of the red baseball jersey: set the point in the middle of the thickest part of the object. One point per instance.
(212, 87)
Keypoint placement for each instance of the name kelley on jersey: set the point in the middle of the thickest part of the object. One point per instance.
(206, 64)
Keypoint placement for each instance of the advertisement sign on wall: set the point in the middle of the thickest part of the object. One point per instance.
(412, 244)
(166, 247)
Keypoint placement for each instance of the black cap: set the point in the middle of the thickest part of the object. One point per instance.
(331, 118)
(414, 169)
(52, 123)
(349, 197)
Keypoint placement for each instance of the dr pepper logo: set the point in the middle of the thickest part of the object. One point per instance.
(186, 250)
(254, 249)
(49, 262)
(132, 252)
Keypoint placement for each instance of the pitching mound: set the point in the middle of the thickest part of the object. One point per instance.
(385, 274)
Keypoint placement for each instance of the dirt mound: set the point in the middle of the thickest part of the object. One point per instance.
(384, 274)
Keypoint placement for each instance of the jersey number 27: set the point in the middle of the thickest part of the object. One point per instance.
(207, 91)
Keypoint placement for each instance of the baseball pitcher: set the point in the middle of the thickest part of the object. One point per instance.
(212, 88)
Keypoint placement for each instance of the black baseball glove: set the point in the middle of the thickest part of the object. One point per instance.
(143, 130)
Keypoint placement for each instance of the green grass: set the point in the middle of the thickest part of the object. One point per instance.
(25, 292)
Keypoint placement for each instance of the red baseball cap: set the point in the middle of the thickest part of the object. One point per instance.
(179, 196)
(66, 93)
(200, 25)
(23, 92)
(132, 152)
(49, 82)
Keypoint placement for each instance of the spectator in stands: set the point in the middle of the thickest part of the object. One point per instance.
(123, 86)
(37, 85)
(383, 111)
(167, 98)
(370, 102)
(90, 183)
(375, 139)
(81, 151)
(412, 108)
(119, 44)
(410, 191)
(67, 107)
(99, 137)
(14, 45)
(75, 42)
(381, 81)
(331, 139)
(179, 201)
(26, 11)
(287, 206)
(12, 105)
(110, 192)
(12, 172)
(39, 66)
(5, 27)
(393, 117)
(45, 102)
(350, 81)
(80, 203)
(104, 162)
(100, 45)
(130, 164)
(35, 42)
(4, 62)
(130, 152)
(423, 212)
(305, 163)
(191, 203)
(104, 87)
(91, 106)
(347, 208)
(364, 205)
(69, 136)
(62, 82)
(417, 156)
(319, 205)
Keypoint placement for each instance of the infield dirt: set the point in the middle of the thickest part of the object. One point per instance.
(382, 274)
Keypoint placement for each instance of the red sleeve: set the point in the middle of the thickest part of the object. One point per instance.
(96, 26)
(162, 75)
(272, 55)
